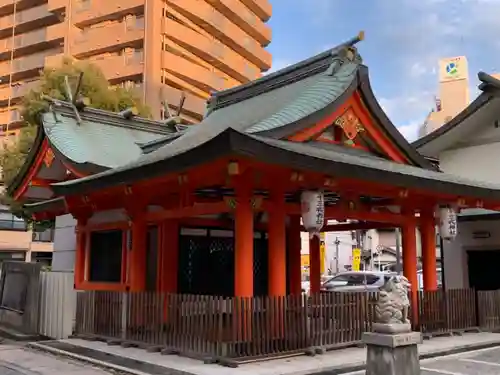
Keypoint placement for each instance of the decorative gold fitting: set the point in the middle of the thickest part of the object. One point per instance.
(403, 193)
(233, 169)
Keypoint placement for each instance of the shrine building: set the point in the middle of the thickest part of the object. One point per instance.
(215, 208)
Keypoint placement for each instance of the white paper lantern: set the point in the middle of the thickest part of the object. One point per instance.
(313, 211)
(447, 223)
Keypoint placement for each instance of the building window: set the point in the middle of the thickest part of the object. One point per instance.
(82, 5)
(105, 256)
(134, 22)
(135, 57)
(8, 221)
(82, 35)
(15, 115)
(45, 236)
(139, 22)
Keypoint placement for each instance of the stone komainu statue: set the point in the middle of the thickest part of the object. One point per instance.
(393, 303)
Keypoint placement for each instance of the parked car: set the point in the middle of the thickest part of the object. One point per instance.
(356, 281)
(420, 278)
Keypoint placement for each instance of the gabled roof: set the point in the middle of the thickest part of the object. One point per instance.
(482, 111)
(102, 140)
(273, 107)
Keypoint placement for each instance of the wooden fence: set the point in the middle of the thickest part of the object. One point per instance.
(231, 329)
(453, 311)
(489, 309)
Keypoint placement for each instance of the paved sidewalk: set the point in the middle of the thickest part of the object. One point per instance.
(478, 362)
(334, 362)
(18, 360)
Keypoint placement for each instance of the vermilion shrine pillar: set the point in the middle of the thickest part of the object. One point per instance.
(428, 238)
(314, 264)
(137, 253)
(294, 262)
(169, 256)
(409, 242)
(244, 238)
(277, 245)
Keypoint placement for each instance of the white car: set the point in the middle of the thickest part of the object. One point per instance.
(356, 281)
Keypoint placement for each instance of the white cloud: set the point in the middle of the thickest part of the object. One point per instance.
(278, 64)
(410, 131)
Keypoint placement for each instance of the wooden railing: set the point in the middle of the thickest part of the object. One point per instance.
(231, 329)
(489, 309)
(446, 312)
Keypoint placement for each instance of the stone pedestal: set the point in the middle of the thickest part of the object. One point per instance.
(392, 351)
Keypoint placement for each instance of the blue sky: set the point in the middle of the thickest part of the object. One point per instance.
(403, 42)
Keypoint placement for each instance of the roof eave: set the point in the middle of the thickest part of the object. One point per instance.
(232, 142)
(489, 86)
(374, 107)
(21, 175)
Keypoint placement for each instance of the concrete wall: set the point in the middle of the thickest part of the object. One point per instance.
(475, 162)
(63, 258)
(455, 253)
(477, 159)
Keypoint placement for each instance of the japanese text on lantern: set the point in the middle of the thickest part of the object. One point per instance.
(452, 224)
(320, 210)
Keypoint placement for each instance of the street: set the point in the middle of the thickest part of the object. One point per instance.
(17, 360)
(481, 362)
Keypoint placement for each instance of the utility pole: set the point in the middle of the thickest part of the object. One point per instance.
(337, 243)
(398, 251)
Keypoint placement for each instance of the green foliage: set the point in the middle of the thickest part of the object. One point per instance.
(94, 86)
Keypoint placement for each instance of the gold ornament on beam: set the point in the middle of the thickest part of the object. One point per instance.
(48, 157)
(350, 124)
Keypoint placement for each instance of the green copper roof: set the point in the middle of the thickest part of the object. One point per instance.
(99, 139)
(287, 104)
(275, 106)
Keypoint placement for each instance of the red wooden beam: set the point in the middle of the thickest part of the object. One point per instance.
(42, 182)
(355, 226)
(198, 209)
(339, 213)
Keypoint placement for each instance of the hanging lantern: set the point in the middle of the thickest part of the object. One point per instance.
(313, 211)
(447, 223)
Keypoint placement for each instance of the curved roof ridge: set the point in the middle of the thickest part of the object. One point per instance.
(282, 77)
(309, 102)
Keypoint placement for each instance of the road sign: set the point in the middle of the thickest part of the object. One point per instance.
(356, 259)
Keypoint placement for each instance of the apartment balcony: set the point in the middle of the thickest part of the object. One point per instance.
(261, 8)
(10, 117)
(195, 74)
(57, 6)
(214, 22)
(108, 38)
(120, 67)
(18, 91)
(42, 241)
(34, 41)
(245, 19)
(97, 11)
(25, 67)
(213, 51)
(26, 20)
(193, 105)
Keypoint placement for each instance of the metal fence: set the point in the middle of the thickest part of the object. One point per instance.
(57, 304)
